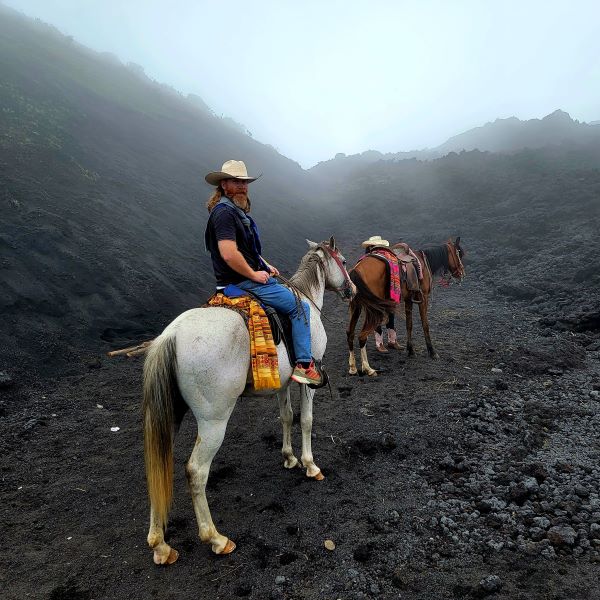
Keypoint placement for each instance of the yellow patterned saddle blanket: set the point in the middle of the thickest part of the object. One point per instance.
(263, 352)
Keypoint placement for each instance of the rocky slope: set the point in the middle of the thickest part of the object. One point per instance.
(102, 197)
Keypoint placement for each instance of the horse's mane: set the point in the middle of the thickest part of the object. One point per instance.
(307, 275)
(437, 257)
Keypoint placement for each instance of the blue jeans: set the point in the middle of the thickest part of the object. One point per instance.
(282, 300)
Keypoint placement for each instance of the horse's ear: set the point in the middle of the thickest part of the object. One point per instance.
(457, 242)
(311, 245)
(332, 243)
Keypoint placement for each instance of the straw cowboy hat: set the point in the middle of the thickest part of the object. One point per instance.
(232, 169)
(375, 240)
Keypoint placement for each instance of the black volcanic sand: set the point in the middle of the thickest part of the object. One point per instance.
(444, 479)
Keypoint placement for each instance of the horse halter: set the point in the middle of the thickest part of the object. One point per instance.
(458, 270)
(347, 290)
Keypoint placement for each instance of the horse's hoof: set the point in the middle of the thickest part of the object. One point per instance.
(173, 556)
(352, 372)
(318, 477)
(159, 559)
(372, 373)
(229, 548)
(290, 463)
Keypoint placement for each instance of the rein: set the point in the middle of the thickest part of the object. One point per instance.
(298, 292)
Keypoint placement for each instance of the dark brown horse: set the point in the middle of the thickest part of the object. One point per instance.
(371, 278)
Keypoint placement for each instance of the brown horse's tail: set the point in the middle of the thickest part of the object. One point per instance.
(160, 394)
(376, 309)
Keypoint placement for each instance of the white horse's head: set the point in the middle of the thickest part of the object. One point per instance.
(334, 265)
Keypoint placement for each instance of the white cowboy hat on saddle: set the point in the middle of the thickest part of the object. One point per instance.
(231, 169)
(375, 240)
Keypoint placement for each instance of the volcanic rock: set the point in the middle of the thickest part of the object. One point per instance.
(562, 535)
(491, 584)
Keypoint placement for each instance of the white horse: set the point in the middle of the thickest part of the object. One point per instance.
(201, 361)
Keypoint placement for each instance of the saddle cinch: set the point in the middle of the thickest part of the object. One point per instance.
(267, 329)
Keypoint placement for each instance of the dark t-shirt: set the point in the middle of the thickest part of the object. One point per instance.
(224, 224)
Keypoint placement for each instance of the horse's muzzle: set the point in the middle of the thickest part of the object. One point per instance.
(349, 292)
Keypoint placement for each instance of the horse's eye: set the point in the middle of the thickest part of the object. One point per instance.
(344, 262)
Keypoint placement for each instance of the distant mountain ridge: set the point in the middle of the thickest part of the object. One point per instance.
(501, 136)
(512, 134)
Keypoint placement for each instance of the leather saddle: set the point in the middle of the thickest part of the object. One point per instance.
(408, 266)
(281, 326)
(281, 331)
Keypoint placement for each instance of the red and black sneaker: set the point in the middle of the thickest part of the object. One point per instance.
(308, 375)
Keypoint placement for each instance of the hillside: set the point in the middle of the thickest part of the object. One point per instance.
(528, 220)
(102, 196)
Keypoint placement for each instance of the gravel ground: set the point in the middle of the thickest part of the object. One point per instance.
(469, 476)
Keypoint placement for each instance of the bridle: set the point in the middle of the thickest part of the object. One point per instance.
(346, 290)
(458, 271)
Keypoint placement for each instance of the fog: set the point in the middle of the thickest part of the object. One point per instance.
(317, 78)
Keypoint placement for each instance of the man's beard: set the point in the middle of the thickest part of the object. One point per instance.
(242, 201)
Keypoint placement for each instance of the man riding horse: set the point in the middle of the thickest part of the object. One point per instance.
(233, 241)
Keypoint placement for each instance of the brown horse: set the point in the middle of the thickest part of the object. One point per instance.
(371, 278)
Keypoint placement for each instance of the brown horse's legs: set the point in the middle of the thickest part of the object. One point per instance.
(362, 342)
(425, 323)
(408, 307)
(354, 316)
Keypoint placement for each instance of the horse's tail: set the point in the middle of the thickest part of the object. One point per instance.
(376, 309)
(158, 409)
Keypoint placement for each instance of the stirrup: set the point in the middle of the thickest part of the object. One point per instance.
(324, 376)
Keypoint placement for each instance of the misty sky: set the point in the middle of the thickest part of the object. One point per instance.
(317, 77)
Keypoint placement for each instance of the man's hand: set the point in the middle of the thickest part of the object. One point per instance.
(273, 270)
(235, 259)
(260, 277)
